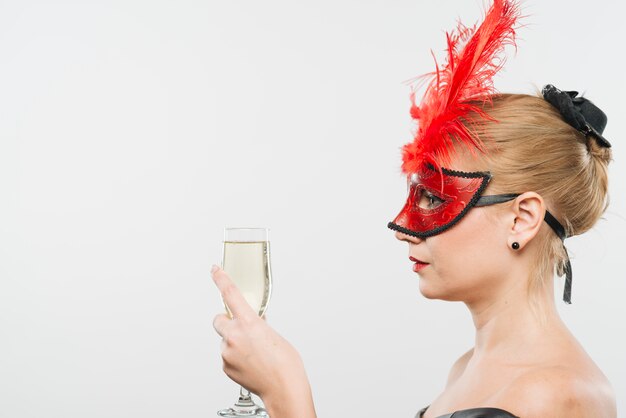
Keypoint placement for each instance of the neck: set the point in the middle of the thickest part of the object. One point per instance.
(509, 320)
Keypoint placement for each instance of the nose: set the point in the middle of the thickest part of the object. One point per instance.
(401, 236)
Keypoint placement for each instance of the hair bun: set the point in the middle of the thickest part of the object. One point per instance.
(579, 112)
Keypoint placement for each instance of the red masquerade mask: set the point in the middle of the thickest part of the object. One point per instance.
(438, 199)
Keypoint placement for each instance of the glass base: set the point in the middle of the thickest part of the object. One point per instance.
(245, 407)
(235, 413)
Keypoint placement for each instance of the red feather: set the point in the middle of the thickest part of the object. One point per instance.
(474, 56)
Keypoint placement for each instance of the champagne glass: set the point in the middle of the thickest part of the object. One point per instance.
(246, 259)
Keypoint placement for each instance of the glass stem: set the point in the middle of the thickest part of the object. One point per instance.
(245, 400)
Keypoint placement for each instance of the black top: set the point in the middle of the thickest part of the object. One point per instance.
(473, 413)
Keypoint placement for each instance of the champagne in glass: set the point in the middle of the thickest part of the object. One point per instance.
(247, 261)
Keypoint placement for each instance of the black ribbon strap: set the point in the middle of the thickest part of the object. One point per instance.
(555, 225)
(567, 290)
(567, 269)
(494, 199)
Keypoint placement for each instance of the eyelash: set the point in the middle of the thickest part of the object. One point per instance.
(434, 201)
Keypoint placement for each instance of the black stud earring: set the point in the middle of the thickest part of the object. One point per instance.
(515, 245)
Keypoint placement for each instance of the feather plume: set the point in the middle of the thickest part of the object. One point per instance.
(474, 56)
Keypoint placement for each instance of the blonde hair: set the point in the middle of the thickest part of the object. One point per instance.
(530, 148)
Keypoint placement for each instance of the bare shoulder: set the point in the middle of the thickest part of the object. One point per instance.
(459, 366)
(560, 392)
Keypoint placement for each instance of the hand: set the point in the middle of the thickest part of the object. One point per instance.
(257, 357)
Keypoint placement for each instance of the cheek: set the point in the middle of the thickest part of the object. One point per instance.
(470, 259)
(466, 256)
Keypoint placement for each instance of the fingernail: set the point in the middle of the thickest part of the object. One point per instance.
(214, 269)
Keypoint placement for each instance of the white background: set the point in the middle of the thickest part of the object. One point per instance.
(132, 132)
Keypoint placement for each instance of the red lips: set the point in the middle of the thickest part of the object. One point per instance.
(418, 264)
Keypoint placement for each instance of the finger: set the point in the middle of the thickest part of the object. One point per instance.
(237, 304)
(221, 323)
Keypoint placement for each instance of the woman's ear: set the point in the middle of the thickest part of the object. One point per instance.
(528, 211)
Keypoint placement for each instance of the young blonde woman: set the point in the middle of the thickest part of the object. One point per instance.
(496, 183)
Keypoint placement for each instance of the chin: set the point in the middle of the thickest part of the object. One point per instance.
(429, 291)
(435, 292)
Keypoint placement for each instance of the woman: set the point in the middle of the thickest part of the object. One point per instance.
(496, 183)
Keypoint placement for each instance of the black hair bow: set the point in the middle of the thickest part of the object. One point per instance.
(579, 112)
